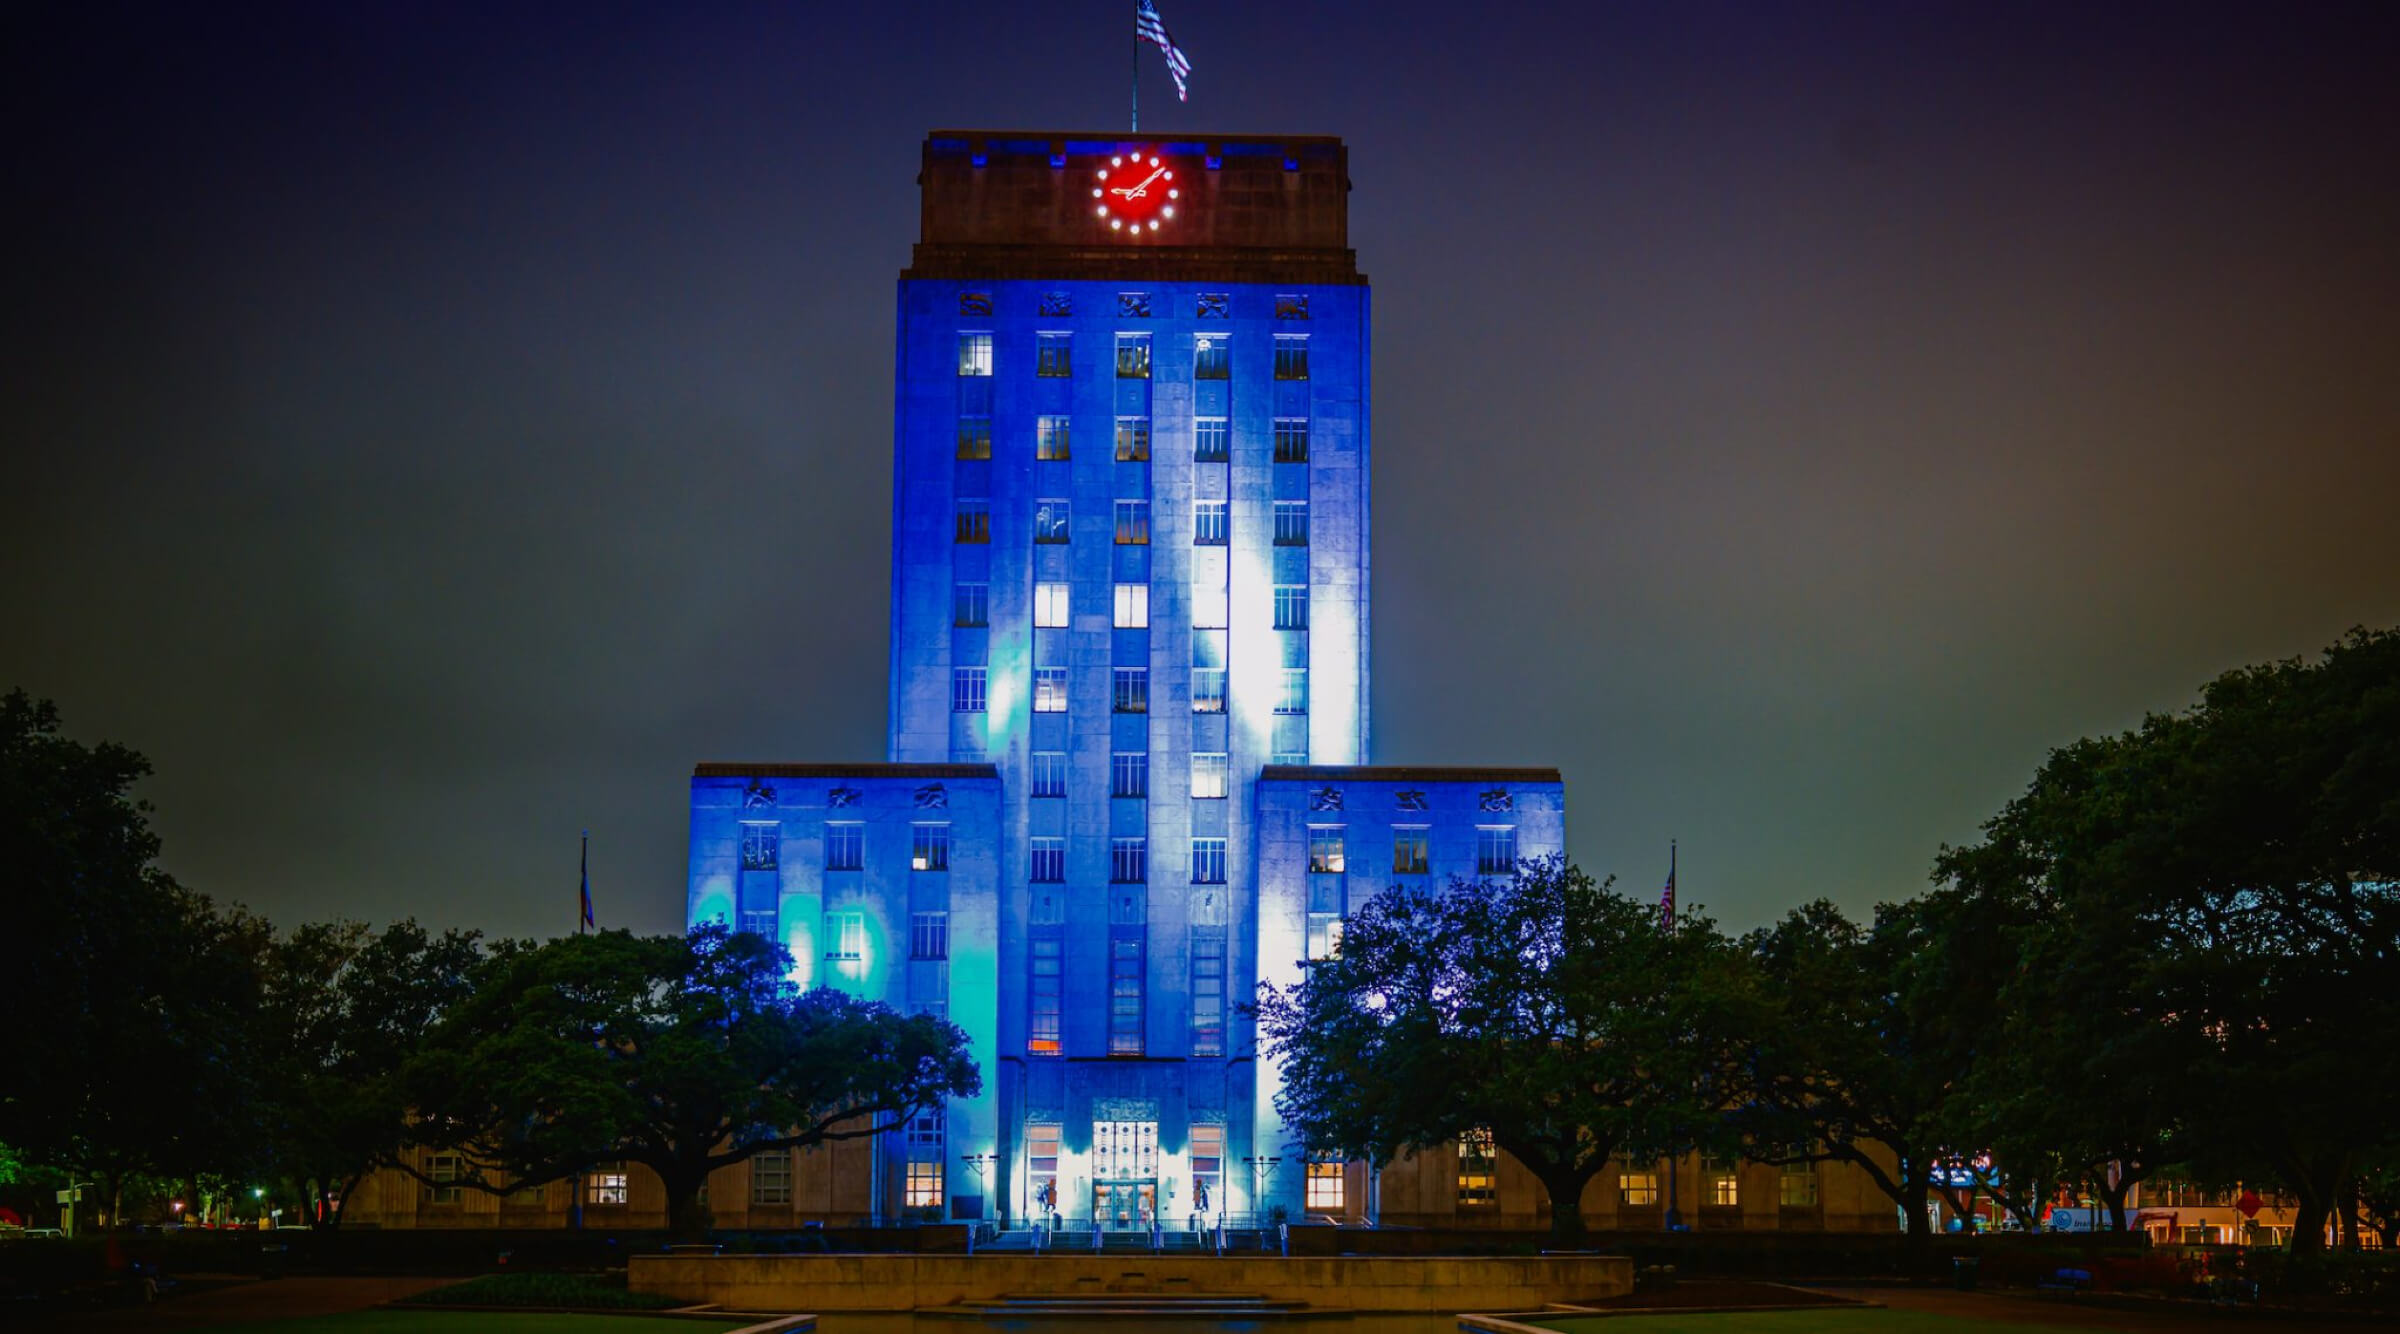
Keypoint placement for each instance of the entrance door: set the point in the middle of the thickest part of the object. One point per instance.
(1125, 1205)
(1124, 1173)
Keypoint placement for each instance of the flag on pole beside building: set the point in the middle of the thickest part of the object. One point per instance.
(586, 919)
(1666, 900)
(1148, 26)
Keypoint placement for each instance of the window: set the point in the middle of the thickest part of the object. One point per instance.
(846, 936)
(1050, 439)
(1129, 773)
(1211, 440)
(975, 354)
(1208, 989)
(1125, 995)
(1720, 1182)
(1208, 691)
(1294, 697)
(845, 847)
(1208, 773)
(1130, 689)
(771, 1177)
(606, 1184)
(1291, 606)
(1478, 1168)
(1291, 523)
(1208, 608)
(759, 922)
(1291, 356)
(762, 846)
(1133, 439)
(1408, 851)
(1133, 523)
(1637, 1188)
(1324, 925)
(1796, 1187)
(1133, 356)
(966, 689)
(1050, 606)
(930, 849)
(1208, 1166)
(1052, 355)
(974, 437)
(971, 604)
(924, 1187)
(975, 521)
(1209, 357)
(1041, 1156)
(1050, 521)
(1495, 851)
(1209, 523)
(1324, 1184)
(1050, 773)
(1049, 690)
(1128, 861)
(1291, 439)
(442, 1170)
(1208, 861)
(1041, 1035)
(929, 935)
(1049, 861)
(1325, 852)
(1133, 607)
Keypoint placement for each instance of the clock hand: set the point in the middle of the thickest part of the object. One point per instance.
(1138, 191)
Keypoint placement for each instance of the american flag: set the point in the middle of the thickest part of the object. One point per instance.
(1149, 27)
(587, 885)
(1666, 900)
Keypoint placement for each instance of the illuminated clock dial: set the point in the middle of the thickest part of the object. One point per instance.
(1134, 196)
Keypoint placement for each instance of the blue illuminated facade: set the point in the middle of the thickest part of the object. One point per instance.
(1129, 684)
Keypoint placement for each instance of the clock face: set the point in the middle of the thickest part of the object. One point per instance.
(1134, 196)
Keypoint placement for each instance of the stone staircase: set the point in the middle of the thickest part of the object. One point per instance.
(1078, 1241)
(1130, 1305)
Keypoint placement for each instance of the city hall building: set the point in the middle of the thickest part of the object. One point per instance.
(1128, 771)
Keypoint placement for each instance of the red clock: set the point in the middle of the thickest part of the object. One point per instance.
(1135, 194)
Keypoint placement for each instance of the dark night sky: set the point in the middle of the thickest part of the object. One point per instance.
(429, 430)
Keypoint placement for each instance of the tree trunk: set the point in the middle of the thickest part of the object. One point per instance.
(1566, 1203)
(2349, 1217)
(688, 1216)
(1916, 1184)
(2308, 1224)
(2114, 1193)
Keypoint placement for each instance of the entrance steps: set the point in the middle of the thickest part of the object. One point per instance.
(1078, 1241)
(1131, 1306)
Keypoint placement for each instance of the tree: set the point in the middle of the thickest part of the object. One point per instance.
(682, 1053)
(1556, 1013)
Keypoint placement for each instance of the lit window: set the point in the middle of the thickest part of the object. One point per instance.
(1720, 1182)
(971, 605)
(1291, 356)
(1208, 992)
(845, 847)
(924, 1187)
(1050, 606)
(1324, 915)
(1291, 606)
(1052, 355)
(1637, 1188)
(1049, 690)
(1133, 356)
(1208, 1160)
(1130, 690)
(1129, 773)
(1133, 439)
(1209, 357)
(1797, 1185)
(1324, 1184)
(846, 936)
(929, 935)
(1133, 606)
(1294, 696)
(1208, 774)
(1049, 773)
(606, 1184)
(966, 689)
(1208, 690)
(1049, 861)
(1325, 852)
(442, 1170)
(771, 1177)
(1133, 523)
(1495, 851)
(1478, 1168)
(1048, 967)
(930, 848)
(1291, 439)
(975, 521)
(1128, 861)
(1408, 851)
(1050, 521)
(975, 436)
(762, 846)
(1125, 995)
(1050, 439)
(1209, 523)
(1208, 861)
(975, 354)
(1291, 523)
(1211, 440)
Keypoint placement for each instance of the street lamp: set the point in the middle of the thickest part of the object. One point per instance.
(1262, 1171)
(982, 1163)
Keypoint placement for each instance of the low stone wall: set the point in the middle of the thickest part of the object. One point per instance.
(909, 1282)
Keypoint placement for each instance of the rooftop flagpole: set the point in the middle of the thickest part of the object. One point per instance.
(1136, 127)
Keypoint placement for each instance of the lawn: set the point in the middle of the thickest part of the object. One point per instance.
(392, 1320)
(1837, 1320)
